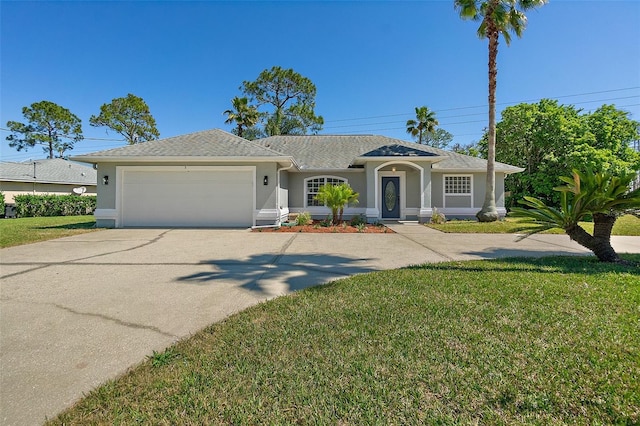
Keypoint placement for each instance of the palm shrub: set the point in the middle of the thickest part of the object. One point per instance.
(600, 195)
(336, 197)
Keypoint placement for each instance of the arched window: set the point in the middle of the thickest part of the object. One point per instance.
(313, 184)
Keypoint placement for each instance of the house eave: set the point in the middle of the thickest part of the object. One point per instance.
(53, 182)
(474, 170)
(332, 170)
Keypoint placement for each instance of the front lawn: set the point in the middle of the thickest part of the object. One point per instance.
(512, 341)
(25, 230)
(625, 225)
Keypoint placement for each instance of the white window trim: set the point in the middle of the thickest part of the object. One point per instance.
(304, 201)
(444, 188)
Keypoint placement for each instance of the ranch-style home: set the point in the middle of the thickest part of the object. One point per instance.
(215, 179)
(50, 176)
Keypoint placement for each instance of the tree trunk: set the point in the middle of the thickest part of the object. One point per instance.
(599, 245)
(489, 212)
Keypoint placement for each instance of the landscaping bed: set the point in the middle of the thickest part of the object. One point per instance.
(333, 229)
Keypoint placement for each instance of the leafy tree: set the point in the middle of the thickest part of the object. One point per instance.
(601, 195)
(439, 138)
(48, 124)
(243, 114)
(497, 17)
(424, 124)
(336, 197)
(290, 101)
(549, 140)
(472, 149)
(129, 117)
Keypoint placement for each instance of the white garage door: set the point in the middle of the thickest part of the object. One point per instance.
(196, 197)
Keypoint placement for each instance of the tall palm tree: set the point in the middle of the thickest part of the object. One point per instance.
(243, 114)
(424, 124)
(497, 17)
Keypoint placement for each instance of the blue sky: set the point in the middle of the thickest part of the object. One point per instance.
(372, 62)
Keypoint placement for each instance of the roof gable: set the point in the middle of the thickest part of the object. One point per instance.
(396, 150)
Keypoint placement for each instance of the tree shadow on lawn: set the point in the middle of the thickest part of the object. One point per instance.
(79, 225)
(552, 264)
(272, 275)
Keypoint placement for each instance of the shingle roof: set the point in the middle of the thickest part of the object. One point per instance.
(50, 171)
(318, 152)
(310, 152)
(207, 143)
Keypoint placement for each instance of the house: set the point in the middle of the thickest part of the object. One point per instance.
(54, 176)
(215, 179)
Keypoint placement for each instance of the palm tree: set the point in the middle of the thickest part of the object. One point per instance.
(243, 114)
(496, 17)
(424, 124)
(602, 196)
(336, 197)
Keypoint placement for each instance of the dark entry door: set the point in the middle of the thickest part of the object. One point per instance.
(391, 197)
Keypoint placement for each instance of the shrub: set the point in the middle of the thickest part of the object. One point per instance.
(303, 218)
(54, 205)
(358, 220)
(437, 217)
(1, 204)
(325, 223)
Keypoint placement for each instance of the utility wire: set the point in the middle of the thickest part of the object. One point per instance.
(484, 106)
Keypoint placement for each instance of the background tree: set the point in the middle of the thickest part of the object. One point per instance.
(424, 124)
(130, 117)
(439, 138)
(48, 124)
(242, 114)
(549, 140)
(472, 149)
(288, 99)
(600, 195)
(497, 17)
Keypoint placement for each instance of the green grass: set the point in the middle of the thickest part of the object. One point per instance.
(520, 341)
(15, 232)
(625, 225)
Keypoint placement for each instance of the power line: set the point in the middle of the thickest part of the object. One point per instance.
(484, 106)
(482, 113)
(70, 137)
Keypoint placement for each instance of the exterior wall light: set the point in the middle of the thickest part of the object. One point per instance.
(105, 180)
(265, 181)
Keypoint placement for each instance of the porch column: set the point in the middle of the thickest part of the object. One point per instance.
(372, 212)
(424, 215)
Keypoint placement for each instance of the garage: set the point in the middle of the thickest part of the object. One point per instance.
(187, 196)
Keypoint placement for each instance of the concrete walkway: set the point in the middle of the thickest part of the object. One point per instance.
(80, 310)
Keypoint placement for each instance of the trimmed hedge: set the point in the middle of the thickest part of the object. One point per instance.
(54, 205)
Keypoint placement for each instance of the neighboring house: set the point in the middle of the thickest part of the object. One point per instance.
(213, 178)
(56, 176)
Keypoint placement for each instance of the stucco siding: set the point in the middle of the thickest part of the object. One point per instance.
(356, 179)
(265, 194)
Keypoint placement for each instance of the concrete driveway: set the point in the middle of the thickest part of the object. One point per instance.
(80, 310)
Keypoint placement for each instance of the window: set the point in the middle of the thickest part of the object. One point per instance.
(313, 185)
(457, 185)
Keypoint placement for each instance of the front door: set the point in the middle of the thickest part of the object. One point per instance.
(390, 197)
